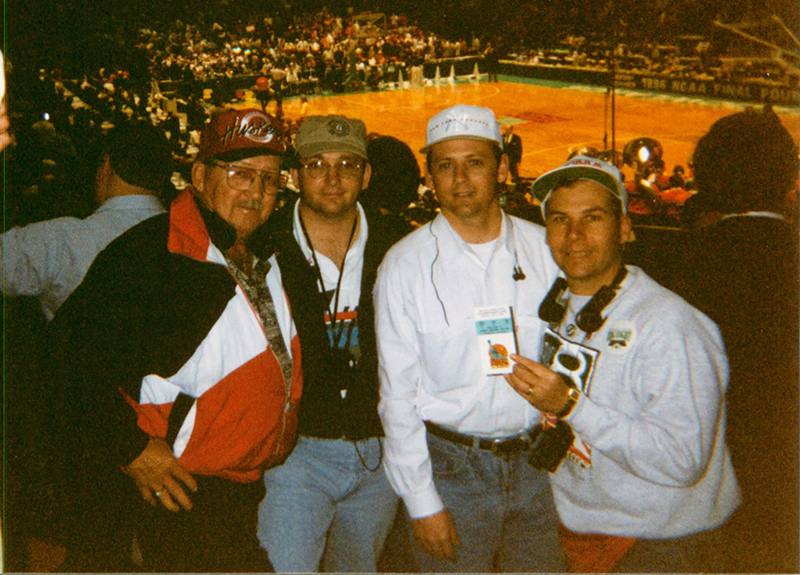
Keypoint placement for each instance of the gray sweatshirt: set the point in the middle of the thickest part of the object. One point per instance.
(649, 459)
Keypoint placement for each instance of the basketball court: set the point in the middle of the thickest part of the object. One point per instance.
(551, 119)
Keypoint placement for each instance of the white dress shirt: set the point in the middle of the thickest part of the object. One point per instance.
(49, 259)
(427, 289)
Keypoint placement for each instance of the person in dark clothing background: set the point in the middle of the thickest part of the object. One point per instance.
(743, 273)
(512, 145)
(491, 58)
(394, 183)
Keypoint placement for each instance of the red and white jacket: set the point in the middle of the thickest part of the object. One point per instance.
(244, 416)
(160, 315)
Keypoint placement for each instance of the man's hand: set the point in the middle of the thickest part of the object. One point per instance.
(5, 126)
(157, 473)
(541, 387)
(437, 534)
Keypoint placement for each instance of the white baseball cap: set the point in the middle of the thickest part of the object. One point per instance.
(582, 168)
(463, 121)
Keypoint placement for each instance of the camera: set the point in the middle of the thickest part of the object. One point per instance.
(551, 446)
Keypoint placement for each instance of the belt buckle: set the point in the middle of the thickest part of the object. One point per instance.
(505, 447)
(496, 443)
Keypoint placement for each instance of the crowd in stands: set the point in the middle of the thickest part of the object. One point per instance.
(192, 67)
(316, 52)
(694, 60)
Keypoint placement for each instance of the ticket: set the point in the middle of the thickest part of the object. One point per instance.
(497, 338)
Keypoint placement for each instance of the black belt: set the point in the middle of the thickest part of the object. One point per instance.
(500, 446)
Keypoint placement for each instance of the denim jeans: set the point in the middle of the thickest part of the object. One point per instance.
(324, 499)
(503, 510)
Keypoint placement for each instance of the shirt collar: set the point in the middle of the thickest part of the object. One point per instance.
(356, 247)
(137, 201)
(771, 215)
(442, 228)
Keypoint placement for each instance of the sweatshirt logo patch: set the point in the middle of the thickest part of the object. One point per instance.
(620, 337)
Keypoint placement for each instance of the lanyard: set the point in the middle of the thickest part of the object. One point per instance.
(337, 327)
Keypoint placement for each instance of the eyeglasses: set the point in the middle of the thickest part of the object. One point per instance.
(349, 169)
(242, 178)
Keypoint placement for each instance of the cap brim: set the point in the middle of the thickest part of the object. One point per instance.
(242, 153)
(547, 183)
(460, 137)
(316, 148)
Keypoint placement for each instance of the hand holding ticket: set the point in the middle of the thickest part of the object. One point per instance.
(497, 339)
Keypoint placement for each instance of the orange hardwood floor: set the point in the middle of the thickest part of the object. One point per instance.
(550, 120)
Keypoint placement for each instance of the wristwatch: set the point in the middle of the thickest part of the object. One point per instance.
(573, 394)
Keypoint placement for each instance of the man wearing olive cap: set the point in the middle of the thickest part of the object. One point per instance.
(175, 361)
(636, 378)
(329, 506)
(458, 438)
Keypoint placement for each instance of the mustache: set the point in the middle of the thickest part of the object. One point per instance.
(251, 205)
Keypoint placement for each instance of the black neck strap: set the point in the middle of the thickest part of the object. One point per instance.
(337, 327)
(589, 319)
(222, 234)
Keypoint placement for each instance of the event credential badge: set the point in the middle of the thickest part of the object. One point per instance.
(497, 339)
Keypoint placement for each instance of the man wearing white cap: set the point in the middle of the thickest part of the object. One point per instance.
(636, 379)
(447, 301)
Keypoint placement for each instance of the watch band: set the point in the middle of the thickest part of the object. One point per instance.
(572, 399)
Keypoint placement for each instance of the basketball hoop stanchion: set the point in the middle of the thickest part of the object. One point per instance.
(611, 96)
(614, 108)
(605, 117)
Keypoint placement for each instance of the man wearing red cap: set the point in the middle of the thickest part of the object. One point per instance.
(178, 366)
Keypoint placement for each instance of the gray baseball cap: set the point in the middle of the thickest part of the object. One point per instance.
(582, 168)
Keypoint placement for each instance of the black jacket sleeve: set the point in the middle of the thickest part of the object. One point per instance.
(140, 310)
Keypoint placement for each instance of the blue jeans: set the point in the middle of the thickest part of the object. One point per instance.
(503, 510)
(324, 499)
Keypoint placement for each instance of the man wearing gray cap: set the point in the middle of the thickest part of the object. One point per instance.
(452, 300)
(330, 500)
(634, 378)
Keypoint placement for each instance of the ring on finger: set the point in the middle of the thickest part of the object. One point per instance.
(529, 391)
(158, 493)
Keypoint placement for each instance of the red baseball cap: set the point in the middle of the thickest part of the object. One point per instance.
(235, 134)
